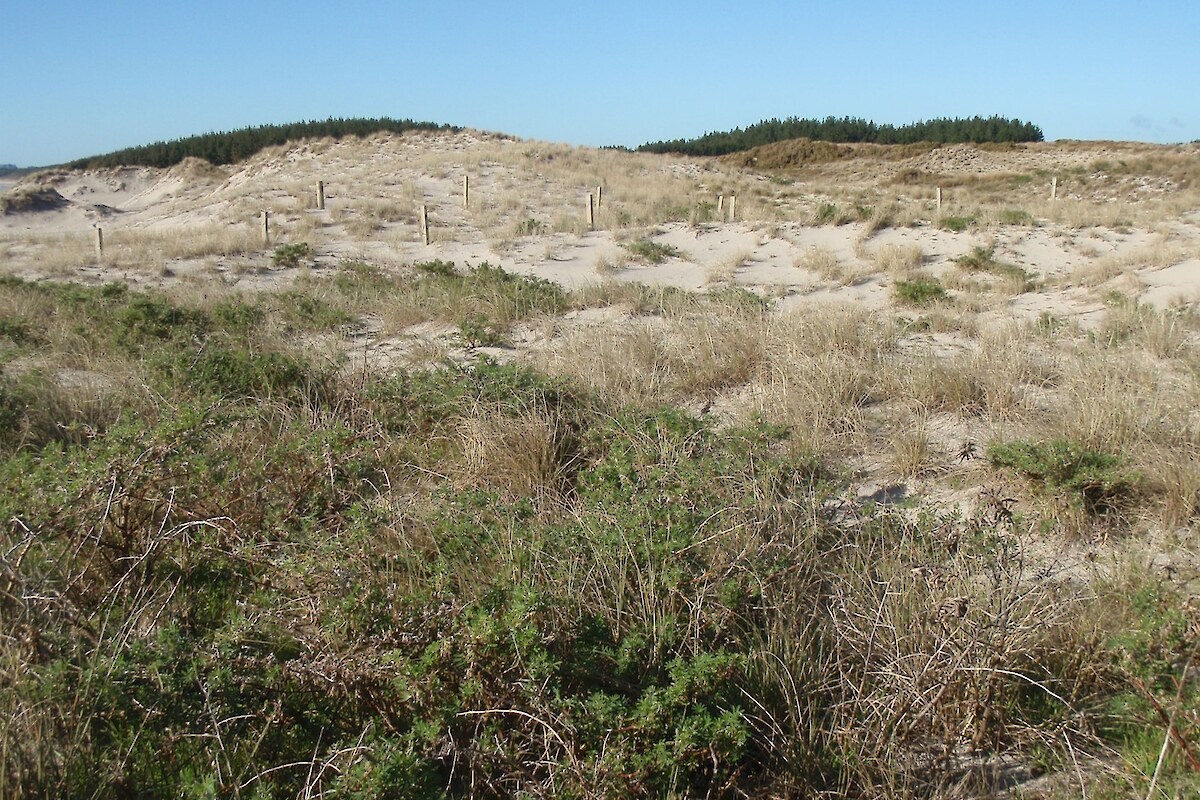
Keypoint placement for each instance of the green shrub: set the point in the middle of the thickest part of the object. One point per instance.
(289, 255)
(1094, 480)
(475, 331)
(921, 292)
(979, 259)
(1016, 216)
(531, 227)
(232, 370)
(443, 269)
(652, 252)
(957, 224)
(983, 259)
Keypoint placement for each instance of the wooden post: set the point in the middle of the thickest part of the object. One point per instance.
(939, 199)
(466, 190)
(321, 195)
(425, 224)
(266, 228)
(599, 196)
(721, 206)
(1054, 188)
(591, 211)
(732, 207)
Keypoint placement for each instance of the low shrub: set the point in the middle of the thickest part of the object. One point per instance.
(652, 252)
(956, 224)
(1093, 480)
(289, 255)
(921, 292)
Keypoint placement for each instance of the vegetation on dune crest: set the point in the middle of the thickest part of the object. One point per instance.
(852, 130)
(229, 147)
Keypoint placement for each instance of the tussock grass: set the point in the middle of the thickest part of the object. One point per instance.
(824, 262)
(899, 259)
(663, 360)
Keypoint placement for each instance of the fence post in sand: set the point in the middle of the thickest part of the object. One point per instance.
(591, 212)
(939, 199)
(1054, 188)
(466, 190)
(266, 228)
(99, 243)
(425, 224)
(721, 206)
(732, 207)
(599, 196)
(321, 195)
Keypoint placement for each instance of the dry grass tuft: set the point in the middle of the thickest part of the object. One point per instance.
(531, 455)
(899, 260)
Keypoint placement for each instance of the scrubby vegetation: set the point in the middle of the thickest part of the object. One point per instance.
(229, 147)
(921, 291)
(652, 252)
(235, 566)
(852, 130)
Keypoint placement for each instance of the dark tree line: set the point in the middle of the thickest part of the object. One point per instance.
(852, 130)
(228, 147)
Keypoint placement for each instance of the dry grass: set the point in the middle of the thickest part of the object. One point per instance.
(899, 260)
(726, 270)
(914, 453)
(526, 456)
(1163, 253)
(661, 360)
(824, 262)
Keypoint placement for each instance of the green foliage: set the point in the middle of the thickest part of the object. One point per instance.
(830, 214)
(231, 370)
(738, 299)
(652, 252)
(956, 224)
(980, 259)
(1016, 216)
(531, 227)
(298, 309)
(983, 259)
(475, 331)
(921, 292)
(289, 255)
(1153, 639)
(442, 269)
(850, 129)
(1094, 480)
(229, 147)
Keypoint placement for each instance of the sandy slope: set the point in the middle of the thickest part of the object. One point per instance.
(375, 189)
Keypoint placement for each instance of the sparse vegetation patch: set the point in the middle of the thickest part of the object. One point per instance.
(921, 291)
(652, 252)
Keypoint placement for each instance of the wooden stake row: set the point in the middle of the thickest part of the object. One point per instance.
(594, 201)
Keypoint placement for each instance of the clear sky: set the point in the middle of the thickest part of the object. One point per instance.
(83, 78)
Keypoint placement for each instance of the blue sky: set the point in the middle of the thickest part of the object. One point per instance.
(82, 78)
